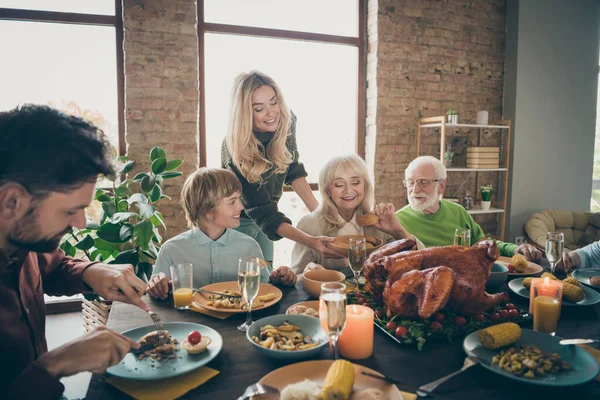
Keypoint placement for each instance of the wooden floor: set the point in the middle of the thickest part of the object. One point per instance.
(60, 329)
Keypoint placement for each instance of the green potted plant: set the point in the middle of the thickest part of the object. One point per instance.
(486, 196)
(128, 230)
(448, 156)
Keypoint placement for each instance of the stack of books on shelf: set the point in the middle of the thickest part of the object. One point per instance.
(483, 157)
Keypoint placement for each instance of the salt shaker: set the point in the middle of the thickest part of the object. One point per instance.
(468, 200)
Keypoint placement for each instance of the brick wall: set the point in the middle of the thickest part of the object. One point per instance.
(161, 90)
(426, 57)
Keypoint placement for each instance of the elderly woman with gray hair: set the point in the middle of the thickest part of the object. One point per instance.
(347, 194)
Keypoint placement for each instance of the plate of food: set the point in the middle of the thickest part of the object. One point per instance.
(310, 308)
(267, 296)
(531, 357)
(573, 295)
(519, 266)
(312, 377)
(187, 346)
(340, 243)
(588, 276)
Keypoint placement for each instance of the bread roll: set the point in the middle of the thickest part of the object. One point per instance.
(368, 219)
(196, 348)
(595, 280)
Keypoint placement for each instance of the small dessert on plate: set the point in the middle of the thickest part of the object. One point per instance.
(195, 343)
(368, 219)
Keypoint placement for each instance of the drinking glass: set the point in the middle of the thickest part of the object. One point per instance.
(333, 298)
(544, 303)
(357, 254)
(249, 283)
(183, 279)
(555, 243)
(462, 237)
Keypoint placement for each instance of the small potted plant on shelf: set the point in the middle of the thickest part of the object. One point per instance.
(448, 156)
(486, 196)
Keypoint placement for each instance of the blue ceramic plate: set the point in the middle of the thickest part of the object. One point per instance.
(584, 275)
(585, 367)
(132, 368)
(591, 296)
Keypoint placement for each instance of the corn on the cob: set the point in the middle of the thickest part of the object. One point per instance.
(519, 262)
(572, 293)
(527, 282)
(571, 280)
(549, 276)
(500, 335)
(339, 381)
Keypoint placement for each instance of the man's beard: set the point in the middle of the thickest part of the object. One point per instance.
(431, 200)
(25, 235)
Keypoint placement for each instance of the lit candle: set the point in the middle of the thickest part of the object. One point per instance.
(544, 287)
(356, 340)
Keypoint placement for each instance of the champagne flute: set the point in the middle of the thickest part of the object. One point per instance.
(555, 244)
(357, 254)
(462, 237)
(249, 283)
(333, 295)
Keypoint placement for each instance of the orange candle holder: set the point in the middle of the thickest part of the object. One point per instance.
(356, 340)
(545, 303)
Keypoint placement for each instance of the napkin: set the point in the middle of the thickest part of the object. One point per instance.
(594, 352)
(199, 309)
(164, 389)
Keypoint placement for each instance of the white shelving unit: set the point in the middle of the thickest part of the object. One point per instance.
(505, 129)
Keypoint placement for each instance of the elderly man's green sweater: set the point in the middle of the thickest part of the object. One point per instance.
(438, 229)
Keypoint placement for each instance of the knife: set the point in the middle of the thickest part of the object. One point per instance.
(402, 385)
(578, 341)
(232, 296)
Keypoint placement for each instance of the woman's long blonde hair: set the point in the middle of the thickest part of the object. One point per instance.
(330, 217)
(247, 151)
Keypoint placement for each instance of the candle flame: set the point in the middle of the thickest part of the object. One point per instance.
(546, 280)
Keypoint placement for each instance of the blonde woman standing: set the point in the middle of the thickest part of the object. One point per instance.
(347, 193)
(260, 148)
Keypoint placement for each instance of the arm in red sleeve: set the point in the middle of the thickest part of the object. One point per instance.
(61, 274)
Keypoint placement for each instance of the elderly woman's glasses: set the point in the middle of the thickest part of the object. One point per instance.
(423, 183)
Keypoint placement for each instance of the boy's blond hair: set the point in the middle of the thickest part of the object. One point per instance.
(204, 190)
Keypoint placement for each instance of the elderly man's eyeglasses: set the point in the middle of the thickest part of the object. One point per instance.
(423, 183)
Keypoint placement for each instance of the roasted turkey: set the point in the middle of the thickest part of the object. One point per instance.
(422, 282)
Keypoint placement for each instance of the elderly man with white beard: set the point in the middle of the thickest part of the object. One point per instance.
(434, 220)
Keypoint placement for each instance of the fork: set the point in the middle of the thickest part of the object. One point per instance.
(157, 323)
(257, 388)
(430, 387)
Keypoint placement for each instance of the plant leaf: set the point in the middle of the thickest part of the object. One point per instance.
(138, 177)
(123, 205)
(122, 217)
(159, 165)
(93, 226)
(171, 175)
(148, 183)
(126, 232)
(157, 152)
(109, 208)
(157, 238)
(86, 243)
(123, 191)
(155, 194)
(99, 192)
(157, 219)
(126, 168)
(147, 268)
(110, 233)
(173, 164)
(127, 257)
(68, 248)
(122, 159)
(142, 234)
(137, 198)
(146, 210)
(149, 254)
(103, 245)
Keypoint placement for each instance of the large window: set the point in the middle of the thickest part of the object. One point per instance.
(317, 59)
(66, 54)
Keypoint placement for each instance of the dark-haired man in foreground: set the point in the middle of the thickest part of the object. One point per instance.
(49, 164)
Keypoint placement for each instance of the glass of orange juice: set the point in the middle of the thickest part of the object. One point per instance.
(182, 277)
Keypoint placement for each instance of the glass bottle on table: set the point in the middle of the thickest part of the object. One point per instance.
(248, 283)
(357, 255)
(332, 312)
(555, 244)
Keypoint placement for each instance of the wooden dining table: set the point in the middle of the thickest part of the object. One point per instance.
(241, 365)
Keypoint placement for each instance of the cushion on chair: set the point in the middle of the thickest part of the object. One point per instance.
(592, 231)
(572, 224)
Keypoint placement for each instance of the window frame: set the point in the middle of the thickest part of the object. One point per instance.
(240, 30)
(116, 21)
